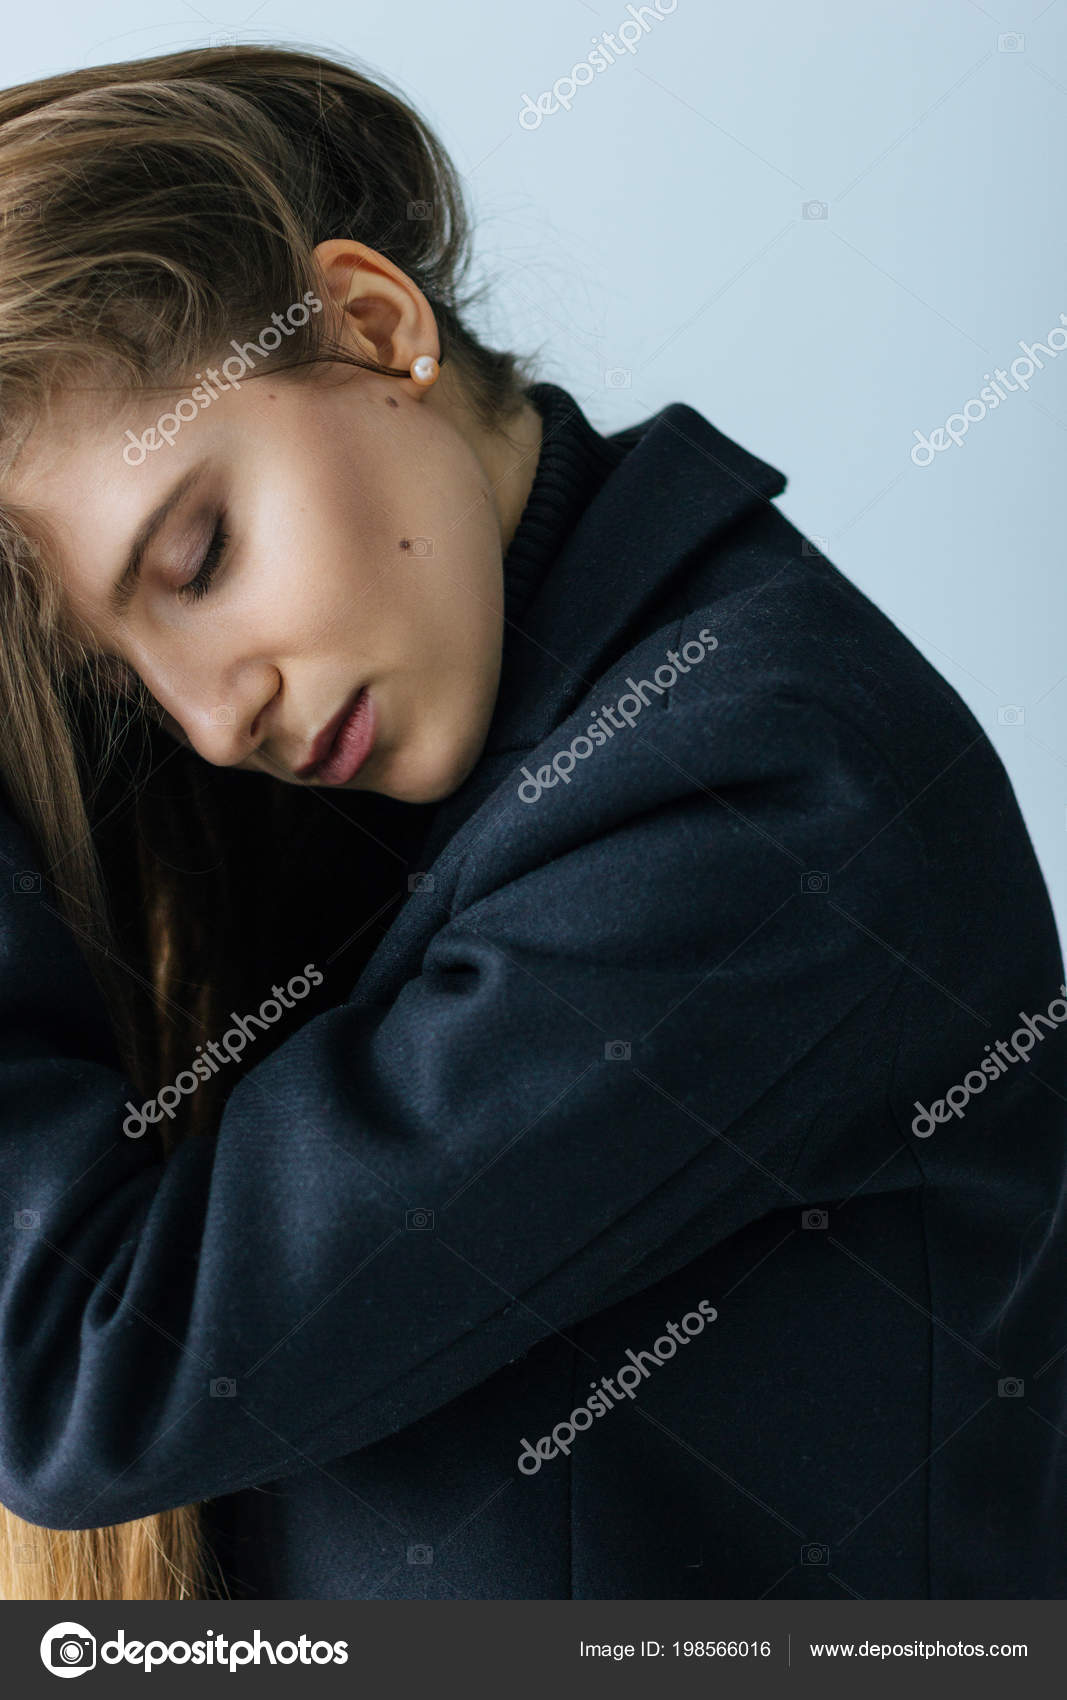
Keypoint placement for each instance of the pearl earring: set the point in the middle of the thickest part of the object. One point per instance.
(424, 369)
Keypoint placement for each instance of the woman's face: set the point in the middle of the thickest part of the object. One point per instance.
(309, 538)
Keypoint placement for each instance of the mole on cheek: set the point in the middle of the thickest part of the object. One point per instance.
(391, 401)
(405, 543)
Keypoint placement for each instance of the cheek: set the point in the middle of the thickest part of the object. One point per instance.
(304, 567)
(377, 539)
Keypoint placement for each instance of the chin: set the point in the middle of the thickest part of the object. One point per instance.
(430, 773)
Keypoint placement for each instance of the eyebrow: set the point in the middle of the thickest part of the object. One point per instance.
(126, 583)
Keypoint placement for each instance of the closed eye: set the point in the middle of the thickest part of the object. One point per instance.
(199, 585)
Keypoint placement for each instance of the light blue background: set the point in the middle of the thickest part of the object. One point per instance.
(657, 229)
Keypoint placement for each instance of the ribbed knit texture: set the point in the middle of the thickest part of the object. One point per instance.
(574, 462)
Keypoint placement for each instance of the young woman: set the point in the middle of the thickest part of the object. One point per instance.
(529, 1050)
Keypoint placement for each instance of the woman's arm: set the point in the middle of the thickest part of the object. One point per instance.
(403, 1198)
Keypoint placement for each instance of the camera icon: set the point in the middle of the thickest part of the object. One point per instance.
(27, 1219)
(223, 1387)
(1011, 43)
(26, 881)
(814, 881)
(223, 714)
(27, 209)
(421, 882)
(1011, 714)
(418, 1221)
(1009, 1387)
(617, 1050)
(226, 39)
(419, 1554)
(815, 209)
(814, 1218)
(814, 545)
(420, 546)
(420, 209)
(814, 1553)
(617, 378)
(68, 1649)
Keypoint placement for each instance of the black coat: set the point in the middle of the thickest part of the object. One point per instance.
(644, 1050)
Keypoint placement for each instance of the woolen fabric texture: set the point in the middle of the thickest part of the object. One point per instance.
(652, 1031)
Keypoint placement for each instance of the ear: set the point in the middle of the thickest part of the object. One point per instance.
(380, 312)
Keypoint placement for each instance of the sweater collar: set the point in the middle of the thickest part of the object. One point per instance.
(573, 463)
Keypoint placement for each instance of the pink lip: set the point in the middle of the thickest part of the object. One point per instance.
(344, 743)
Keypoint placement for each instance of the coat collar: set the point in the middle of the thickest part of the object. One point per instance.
(664, 492)
(611, 527)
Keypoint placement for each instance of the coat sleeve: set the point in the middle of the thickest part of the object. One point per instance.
(401, 1199)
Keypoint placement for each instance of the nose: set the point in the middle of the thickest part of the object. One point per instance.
(225, 721)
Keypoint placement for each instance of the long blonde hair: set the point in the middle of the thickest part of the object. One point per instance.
(151, 212)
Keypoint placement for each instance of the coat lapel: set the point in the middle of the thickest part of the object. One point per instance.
(681, 486)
